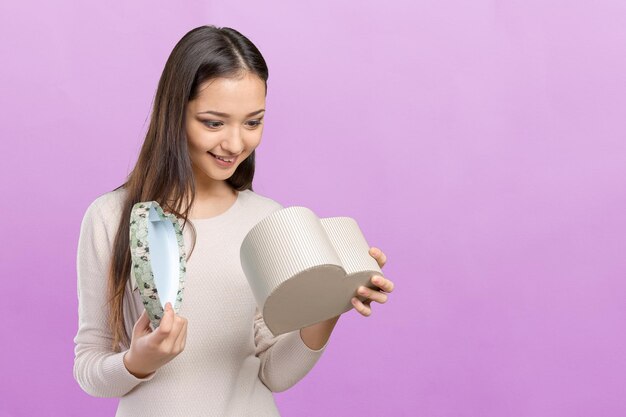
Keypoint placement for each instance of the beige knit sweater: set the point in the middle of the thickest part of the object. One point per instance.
(231, 363)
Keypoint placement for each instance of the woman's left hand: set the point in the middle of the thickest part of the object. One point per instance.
(380, 295)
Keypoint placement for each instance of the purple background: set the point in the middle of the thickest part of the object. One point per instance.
(480, 144)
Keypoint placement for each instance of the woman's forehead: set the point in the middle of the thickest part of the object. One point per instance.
(231, 96)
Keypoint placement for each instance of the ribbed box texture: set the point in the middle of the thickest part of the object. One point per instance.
(303, 269)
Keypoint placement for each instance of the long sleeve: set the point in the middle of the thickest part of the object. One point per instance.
(99, 371)
(285, 359)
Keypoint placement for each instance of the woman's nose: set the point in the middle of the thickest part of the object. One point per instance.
(234, 144)
(231, 148)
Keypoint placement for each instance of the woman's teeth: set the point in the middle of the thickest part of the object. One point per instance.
(222, 159)
(224, 162)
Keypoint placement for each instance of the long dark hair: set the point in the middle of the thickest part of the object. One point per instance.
(163, 171)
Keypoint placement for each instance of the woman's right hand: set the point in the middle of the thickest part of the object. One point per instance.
(149, 350)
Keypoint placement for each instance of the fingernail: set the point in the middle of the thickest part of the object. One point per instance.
(376, 280)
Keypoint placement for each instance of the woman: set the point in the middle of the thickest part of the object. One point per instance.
(197, 161)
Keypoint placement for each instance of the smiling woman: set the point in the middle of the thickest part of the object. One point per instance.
(197, 163)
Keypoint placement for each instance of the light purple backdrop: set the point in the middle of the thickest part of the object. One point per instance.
(480, 144)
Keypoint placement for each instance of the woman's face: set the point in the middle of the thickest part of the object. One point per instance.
(232, 134)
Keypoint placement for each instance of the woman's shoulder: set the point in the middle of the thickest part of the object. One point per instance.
(107, 205)
(260, 201)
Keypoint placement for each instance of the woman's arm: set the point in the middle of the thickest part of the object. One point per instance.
(316, 335)
(285, 359)
(288, 357)
(99, 371)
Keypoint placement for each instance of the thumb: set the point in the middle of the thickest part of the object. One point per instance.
(166, 323)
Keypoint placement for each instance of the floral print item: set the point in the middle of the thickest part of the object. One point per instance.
(142, 264)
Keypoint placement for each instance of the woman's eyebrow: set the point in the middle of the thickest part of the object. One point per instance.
(227, 115)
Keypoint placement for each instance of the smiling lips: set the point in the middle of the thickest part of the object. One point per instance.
(224, 160)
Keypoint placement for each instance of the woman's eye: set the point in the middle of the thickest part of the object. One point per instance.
(211, 124)
(215, 125)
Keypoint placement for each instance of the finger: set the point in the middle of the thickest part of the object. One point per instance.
(170, 342)
(365, 310)
(372, 295)
(383, 283)
(379, 255)
(142, 325)
(179, 345)
(167, 323)
(143, 318)
(184, 338)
